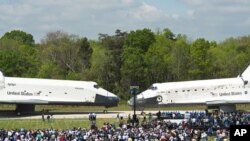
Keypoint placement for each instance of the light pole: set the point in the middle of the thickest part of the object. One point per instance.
(134, 90)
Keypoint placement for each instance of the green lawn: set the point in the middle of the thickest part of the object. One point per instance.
(54, 123)
(121, 107)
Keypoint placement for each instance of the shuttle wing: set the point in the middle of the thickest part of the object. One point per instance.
(221, 102)
(26, 101)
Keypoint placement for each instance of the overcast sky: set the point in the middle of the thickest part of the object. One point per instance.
(210, 19)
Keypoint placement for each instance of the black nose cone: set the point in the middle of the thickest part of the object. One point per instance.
(144, 102)
(107, 101)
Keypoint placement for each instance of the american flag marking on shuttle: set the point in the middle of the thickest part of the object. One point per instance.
(214, 94)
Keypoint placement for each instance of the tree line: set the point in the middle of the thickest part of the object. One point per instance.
(140, 57)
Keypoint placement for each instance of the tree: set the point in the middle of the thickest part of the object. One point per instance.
(230, 57)
(98, 59)
(69, 53)
(85, 52)
(50, 70)
(133, 67)
(114, 45)
(18, 60)
(158, 60)
(19, 36)
(180, 58)
(200, 61)
(168, 34)
(141, 39)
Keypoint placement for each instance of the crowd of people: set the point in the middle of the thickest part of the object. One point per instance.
(197, 127)
(171, 115)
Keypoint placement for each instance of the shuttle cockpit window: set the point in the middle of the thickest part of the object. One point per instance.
(96, 86)
(152, 87)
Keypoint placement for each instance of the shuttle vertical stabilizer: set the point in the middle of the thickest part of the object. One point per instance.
(246, 73)
(2, 82)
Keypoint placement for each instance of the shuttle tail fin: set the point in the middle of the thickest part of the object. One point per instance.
(246, 72)
(2, 82)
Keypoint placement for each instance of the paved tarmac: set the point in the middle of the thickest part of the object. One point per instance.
(109, 114)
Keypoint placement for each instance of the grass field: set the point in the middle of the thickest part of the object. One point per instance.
(122, 107)
(54, 123)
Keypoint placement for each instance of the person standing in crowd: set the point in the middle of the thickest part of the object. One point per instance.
(144, 119)
(43, 116)
(150, 116)
(48, 118)
(158, 114)
(129, 118)
(118, 117)
(94, 116)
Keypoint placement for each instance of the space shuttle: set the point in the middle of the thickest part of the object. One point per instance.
(221, 94)
(28, 92)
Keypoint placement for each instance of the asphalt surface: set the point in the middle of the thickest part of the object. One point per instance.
(109, 114)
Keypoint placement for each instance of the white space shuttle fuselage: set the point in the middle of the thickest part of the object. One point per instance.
(34, 91)
(226, 91)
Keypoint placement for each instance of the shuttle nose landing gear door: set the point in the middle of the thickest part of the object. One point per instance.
(161, 97)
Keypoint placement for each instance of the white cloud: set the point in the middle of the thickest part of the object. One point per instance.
(175, 16)
(128, 1)
(214, 19)
(77, 17)
(148, 13)
(190, 13)
(194, 2)
(247, 22)
(207, 18)
(234, 9)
